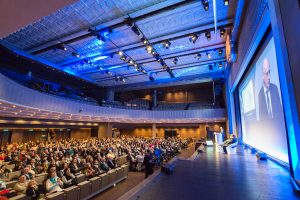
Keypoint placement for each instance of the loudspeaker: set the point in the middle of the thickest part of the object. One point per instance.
(261, 156)
(167, 169)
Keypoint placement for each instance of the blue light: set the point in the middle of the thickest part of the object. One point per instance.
(100, 58)
(69, 71)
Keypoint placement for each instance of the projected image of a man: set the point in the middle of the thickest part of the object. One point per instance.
(269, 100)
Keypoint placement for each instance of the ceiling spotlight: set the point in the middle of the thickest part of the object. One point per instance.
(123, 57)
(135, 65)
(131, 61)
(205, 4)
(122, 79)
(220, 52)
(193, 38)
(210, 67)
(151, 78)
(208, 35)
(226, 2)
(220, 65)
(99, 67)
(198, 56)
(135, 29)
(75, 54)
(167, 44)
(144, 71)
(129, 21)
(62, 47)
(222, 32)
(208, 55)
(149, 48)
(144, 40)
(100, 37)
(175, 61)
(121, 53)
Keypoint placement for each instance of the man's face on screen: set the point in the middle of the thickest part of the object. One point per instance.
(266, 73)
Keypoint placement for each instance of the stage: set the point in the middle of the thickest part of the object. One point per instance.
(213, 175)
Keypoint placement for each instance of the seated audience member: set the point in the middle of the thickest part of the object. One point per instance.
(27, 174)
(21, 186)
(68, 178)
(96, 168)
(18, 166)
(75, 168)
(228, 142)
(89, 171)
(3, 191)
(53, 183)
(103, 165)
(4, 172)
(32, 190)
(111, 164)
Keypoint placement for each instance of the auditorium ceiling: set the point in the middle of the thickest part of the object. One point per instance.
(130, 44)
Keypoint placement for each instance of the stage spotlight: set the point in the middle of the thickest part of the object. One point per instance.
(135, 29)
(144, 71)
(210, 67)
(129, 21)
(198, 56)
(208, 55)
(144, 40)
(120, 53)
(222, 32)
(175, 61)
(193, 38)
(220, 52)
(205, 4)
(167, 44)
(226, 2)
(62, 47)
(208, 35)
(75, 54)
(149, 48)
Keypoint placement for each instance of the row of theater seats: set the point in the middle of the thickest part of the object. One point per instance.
(85, 189)
(14, 175)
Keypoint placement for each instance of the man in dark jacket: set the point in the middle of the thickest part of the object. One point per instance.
(148, 162)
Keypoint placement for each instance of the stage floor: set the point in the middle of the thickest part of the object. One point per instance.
(212, 175)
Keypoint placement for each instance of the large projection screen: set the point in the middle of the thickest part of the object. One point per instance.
(263, 124)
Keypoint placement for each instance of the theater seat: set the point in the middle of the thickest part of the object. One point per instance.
(112, 174)
(11, 184)
(14, 175)
(104, 180)
(96, 184)
(126, 169)
(20, 197)
(72, 193)
(80, 178)
(56, 196)
(85, 189)
(119, 173)
(40, 179)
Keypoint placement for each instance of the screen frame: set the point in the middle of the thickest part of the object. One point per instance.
(259, 50)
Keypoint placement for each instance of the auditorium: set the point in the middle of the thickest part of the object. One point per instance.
(149, 99)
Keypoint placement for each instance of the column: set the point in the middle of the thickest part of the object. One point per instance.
(105, 130)
(154, 131)
(154, 98)
(110, 96)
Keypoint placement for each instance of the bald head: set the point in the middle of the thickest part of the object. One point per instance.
(266, 73)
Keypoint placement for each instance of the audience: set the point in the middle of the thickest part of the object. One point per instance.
(64, 160)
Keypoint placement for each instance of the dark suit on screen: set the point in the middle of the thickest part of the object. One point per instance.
(275, 104)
